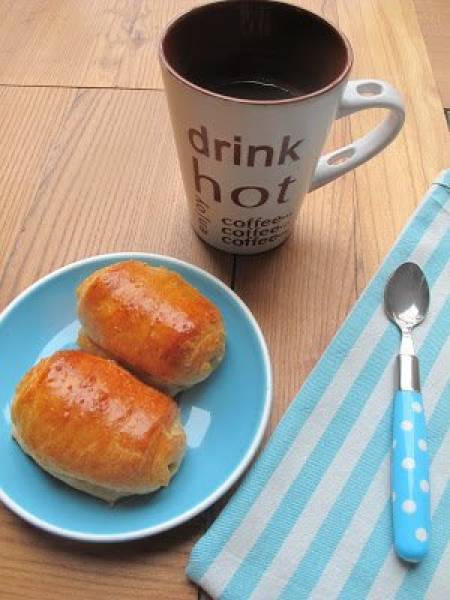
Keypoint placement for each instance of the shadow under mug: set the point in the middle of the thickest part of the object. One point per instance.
(253, 87)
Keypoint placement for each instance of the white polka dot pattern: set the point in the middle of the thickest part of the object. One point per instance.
(409, 506)
(421, 534)
(424, 486)
(410, 478)
(422, 445)
(408, 463)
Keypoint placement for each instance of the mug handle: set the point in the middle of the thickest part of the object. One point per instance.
(359, 95)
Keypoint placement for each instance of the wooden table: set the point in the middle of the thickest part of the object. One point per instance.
(434, 21)
(87, 165)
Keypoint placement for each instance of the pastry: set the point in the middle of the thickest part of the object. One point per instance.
(153, 322)
(91, 424)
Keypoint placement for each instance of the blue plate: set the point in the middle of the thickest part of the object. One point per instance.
(224, 417)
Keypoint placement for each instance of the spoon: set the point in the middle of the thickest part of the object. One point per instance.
(406, 301)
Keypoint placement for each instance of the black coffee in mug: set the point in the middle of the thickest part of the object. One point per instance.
(257, 50)
(253, 89)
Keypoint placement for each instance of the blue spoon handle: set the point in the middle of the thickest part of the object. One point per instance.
(410, 478)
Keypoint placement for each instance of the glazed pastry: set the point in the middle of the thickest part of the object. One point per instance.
(91, 424)
(153, 322)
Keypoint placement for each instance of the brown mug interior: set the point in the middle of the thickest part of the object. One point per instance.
(289, 51)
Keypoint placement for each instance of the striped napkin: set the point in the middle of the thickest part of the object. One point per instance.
(312, 518)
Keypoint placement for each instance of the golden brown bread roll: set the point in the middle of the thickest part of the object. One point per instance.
(91, 424)
(153, 322)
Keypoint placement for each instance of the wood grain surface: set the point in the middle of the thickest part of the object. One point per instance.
(38, 566)
(101, 43)
(85, 171)
(434, 19)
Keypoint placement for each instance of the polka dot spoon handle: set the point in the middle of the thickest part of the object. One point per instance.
(410, 478)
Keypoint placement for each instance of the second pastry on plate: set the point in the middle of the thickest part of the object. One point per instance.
(152, 321)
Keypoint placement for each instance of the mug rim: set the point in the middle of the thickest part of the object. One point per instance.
(333, 84)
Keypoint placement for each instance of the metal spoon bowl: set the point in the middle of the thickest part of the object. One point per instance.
(407, 296)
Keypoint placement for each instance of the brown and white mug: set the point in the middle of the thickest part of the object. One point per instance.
(248, 161)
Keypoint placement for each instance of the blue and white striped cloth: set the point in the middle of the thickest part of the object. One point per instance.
(312, 519)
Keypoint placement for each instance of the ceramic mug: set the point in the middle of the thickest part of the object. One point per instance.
(253, 88)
